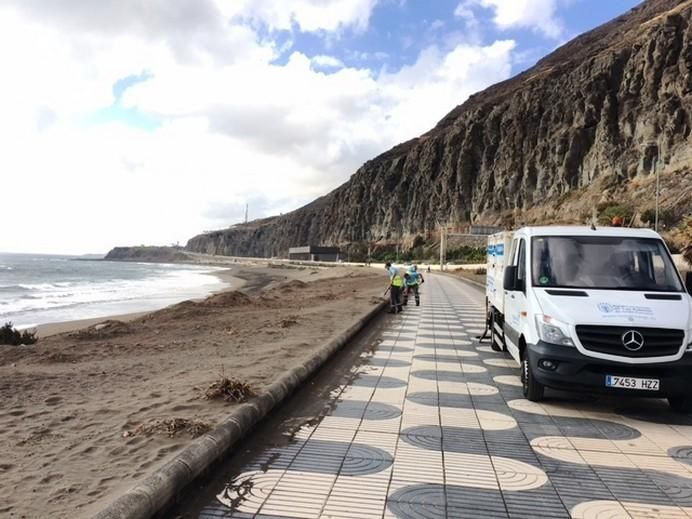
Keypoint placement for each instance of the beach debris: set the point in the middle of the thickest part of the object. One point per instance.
(230, 390)
(295, 284)
(231, 298)
(291, 320)
(104, 330)
(188, 309)
(57, 358)
(171, 427)
(13, 337)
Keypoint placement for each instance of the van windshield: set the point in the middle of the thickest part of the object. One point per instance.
(604, 262)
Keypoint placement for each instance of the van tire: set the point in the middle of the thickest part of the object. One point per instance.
(532, 389)
(680, 403)
(493, 333)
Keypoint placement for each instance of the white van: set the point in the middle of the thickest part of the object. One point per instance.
(592, 309)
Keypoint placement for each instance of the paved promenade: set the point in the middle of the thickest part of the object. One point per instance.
(434, 425)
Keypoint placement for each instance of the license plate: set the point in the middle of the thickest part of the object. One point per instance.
(646, 384)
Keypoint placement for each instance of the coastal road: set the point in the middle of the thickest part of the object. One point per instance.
(417, 419)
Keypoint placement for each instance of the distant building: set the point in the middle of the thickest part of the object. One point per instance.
(312, 253)
(484, 230)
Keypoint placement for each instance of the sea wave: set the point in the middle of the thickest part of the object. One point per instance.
(61, 300)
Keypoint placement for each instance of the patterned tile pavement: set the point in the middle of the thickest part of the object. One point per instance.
(434, 425)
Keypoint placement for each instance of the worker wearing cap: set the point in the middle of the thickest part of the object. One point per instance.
(396, 283)
(413, 281)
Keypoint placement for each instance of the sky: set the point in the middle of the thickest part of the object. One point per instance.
(131, 122)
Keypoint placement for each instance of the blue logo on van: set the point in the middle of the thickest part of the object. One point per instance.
(605, 308)
(496, 250)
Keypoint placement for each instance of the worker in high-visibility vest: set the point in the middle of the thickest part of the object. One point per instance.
(396, 283)
(413, 280)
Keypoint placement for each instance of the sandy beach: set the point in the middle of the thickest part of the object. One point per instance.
(75, 408)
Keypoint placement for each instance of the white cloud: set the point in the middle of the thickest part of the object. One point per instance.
(465, 11)
(324, 61)
(539, 15)
(308, 15)
(235, 126)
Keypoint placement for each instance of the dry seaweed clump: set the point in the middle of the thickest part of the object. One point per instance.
(230, 390)
(173, 426)
(291, 320)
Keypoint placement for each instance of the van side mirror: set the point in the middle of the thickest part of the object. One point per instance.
(688, 282)
(511, 282)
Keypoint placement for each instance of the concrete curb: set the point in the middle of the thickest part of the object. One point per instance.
(159, 489)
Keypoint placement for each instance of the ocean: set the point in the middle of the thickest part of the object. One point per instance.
(38, 289)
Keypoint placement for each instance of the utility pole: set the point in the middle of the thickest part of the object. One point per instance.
(657, 190)
(246, 208)
(443, 246)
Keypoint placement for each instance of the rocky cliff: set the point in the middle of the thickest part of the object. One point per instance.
(582, 131)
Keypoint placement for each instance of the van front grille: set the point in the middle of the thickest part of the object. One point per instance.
(624, 341)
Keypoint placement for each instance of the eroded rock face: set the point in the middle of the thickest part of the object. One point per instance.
(589, 122)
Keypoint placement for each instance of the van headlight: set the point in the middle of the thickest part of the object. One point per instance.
(553, 331)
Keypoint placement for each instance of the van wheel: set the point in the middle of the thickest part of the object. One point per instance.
(533, 390)
(680, 403)
(493, 333)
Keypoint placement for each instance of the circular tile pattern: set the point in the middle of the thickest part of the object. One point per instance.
(426, 437)
(487, 349)
(501, 363)
(418, 502)
(516, 475)
(455, 400)
(379, 382)
(364, 461)
(458, 338)
(358, 409)
(448, 376)
(508, 380)
(658, 416)
(388, 363)
(611, 430)
(459, 440)
(477, 389)
(452, 358)
(599, 510)
(394, 349)
(683, 453)
(455, 345)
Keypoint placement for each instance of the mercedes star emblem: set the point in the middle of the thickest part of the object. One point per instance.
(633, 340)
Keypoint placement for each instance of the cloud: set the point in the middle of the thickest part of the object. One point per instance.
(538, 15)
(234, 125)
(307, 15)
(324, 61)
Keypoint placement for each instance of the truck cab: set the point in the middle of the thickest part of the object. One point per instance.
(592, 309)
